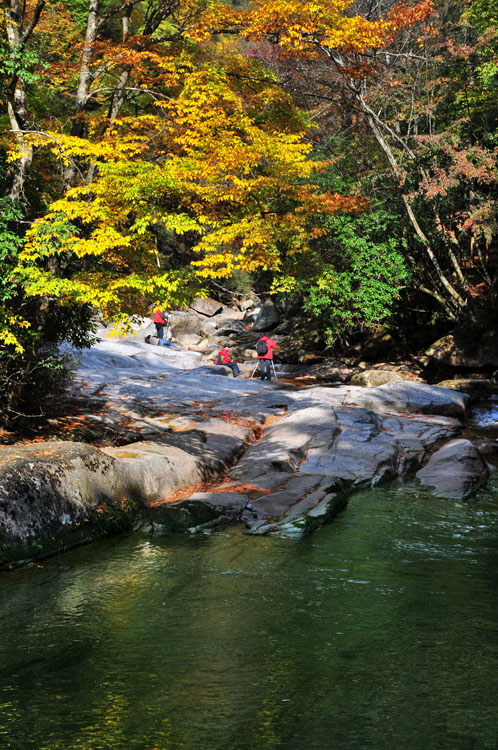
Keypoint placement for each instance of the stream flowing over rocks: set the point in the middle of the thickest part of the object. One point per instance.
(165, 437)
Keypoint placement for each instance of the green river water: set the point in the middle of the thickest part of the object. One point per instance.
(378, 632)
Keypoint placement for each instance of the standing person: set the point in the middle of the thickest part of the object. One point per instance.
(264, 349)
(223, 358)
(159, 321)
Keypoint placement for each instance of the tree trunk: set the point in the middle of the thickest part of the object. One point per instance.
(456, 298)
(16, 97)
(84, 84)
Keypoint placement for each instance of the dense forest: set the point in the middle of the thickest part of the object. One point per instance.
(338, 155)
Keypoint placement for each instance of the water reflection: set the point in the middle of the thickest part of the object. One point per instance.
(380, 631)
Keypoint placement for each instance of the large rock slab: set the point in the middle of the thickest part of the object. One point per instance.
(314, 446)
(410, 398)
(311, 459)
(49, 494)
(455, 471)
(206, 306)
(359, 452)
(284, 444)
(50, 485)
(457, 350)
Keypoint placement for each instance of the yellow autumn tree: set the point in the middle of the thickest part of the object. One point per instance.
(220, 157)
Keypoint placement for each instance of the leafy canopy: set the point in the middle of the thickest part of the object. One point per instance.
(205, 147)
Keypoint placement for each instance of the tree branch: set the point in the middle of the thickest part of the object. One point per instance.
(36, 17)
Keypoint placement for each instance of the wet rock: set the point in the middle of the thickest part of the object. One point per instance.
(308, 514)
(282, 502)
(202, 510)
(455, 471)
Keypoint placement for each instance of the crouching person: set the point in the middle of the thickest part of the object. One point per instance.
(223, 358)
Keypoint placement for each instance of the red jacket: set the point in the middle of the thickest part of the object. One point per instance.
(225, 357)
(158, 317)
(270, 346)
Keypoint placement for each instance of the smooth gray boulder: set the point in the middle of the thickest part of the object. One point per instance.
(151, 472)
(455, 471)
(188, 340)
(230, 314)
(228, 326)
(206, 306)
(184, 323)
(267, 318)
(374, 378)
(479, 349)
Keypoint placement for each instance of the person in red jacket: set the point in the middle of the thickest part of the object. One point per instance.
(223, 358)
(159, 321)
(265, 359)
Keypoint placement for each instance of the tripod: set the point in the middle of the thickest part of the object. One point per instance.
(272, 366)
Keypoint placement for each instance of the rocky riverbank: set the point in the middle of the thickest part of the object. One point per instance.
(159, 440)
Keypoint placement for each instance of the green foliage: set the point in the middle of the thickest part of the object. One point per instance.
(30, 364)
(21, 63)
(482, 15)
(355, 281)
(10, 246)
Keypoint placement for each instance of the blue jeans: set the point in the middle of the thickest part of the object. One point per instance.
(234, 368)
(159, 330)
(265, 369)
